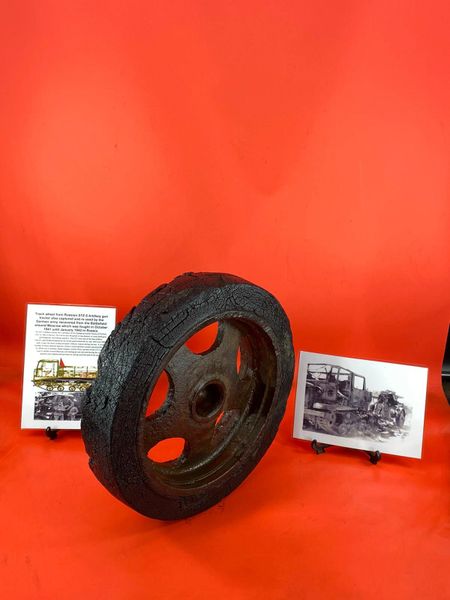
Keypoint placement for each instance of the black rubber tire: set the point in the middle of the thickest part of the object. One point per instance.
(131, 362)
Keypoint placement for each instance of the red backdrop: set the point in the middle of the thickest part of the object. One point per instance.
(301, 145)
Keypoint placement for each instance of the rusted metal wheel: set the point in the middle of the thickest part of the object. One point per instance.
(225, 403)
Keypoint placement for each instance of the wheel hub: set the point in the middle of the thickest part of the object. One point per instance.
(208, 401)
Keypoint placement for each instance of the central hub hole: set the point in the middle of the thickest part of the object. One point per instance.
(209, 399)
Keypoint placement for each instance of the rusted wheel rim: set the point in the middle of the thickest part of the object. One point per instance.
(218, 408)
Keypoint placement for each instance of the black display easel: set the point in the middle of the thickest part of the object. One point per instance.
(52, 434)
(319, 448)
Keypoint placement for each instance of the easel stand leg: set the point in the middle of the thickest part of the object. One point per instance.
(374, 456)
(52, 434)
(319, 448)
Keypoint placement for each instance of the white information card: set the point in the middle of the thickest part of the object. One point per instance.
(62, 345)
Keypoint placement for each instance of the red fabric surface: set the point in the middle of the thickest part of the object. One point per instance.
(301, 145)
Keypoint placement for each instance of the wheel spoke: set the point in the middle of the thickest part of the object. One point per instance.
(223, 355)
(241, 392)
(169, 420)
(182, 363)
(164, 423)
(200, 442)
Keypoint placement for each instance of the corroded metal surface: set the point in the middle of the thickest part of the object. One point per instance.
(225, 403)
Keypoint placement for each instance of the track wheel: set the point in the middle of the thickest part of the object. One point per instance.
(221, 407)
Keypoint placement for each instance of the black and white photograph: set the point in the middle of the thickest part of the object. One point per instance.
(363, 404)
(51, 406)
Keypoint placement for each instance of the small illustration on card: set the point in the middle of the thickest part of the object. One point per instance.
(364, 404)
(61, 350)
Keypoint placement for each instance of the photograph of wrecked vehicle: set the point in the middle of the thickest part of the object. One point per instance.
(338, 402)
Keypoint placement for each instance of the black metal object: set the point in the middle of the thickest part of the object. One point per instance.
(374, 456)
(52, 434)
(226, 415)
(446, 368)
(319, 448)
